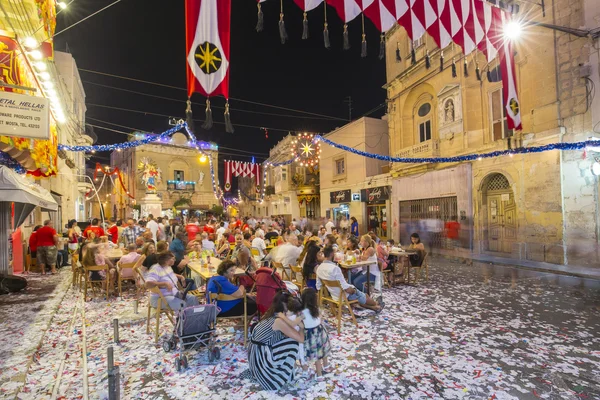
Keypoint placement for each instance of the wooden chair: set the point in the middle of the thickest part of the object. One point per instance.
(296, 269)
(141, 285)
(88, 283)
(225, 297)
(121, 278)
(162, 307)
(284, 272)
(324, 296)
(419, 269)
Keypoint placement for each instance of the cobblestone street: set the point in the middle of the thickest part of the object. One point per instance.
(476, 332)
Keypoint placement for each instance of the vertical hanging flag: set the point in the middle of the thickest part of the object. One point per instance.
(257, 176)
(509, 83)
(207, 24)
(227, 165)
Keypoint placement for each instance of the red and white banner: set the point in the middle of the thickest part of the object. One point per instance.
(243, 169)
(509, 84)
(207, 25)
(227, 176)
(307, 5)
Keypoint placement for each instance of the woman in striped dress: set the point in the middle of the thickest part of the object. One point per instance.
(273, 348)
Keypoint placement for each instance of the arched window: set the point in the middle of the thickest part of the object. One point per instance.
(423, 119)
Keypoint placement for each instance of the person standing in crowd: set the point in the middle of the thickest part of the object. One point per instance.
(33, 242)
(73, 242)
(94, 228)
(131, 233)
(192, 229)
(329, 226)
(47, 241)
(310, 263)
(354, 227)
(161, 234)
(344, 224)
(153, 226)
(220, 231)
(113, 230)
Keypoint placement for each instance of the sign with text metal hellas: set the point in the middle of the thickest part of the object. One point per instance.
(24, 116)
(376, 194)
(340, 196)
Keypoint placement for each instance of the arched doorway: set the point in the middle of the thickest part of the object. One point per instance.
(499, 214)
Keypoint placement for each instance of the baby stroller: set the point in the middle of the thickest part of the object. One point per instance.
(195, 328)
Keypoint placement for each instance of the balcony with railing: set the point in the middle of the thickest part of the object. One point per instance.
(189, 186)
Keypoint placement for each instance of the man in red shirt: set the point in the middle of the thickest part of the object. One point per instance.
(46, 239)
(97, 230)
(209, 227)
(192, 229)
(452, 228)
(113, 231)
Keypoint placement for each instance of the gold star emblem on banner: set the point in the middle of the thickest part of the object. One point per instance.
(208, 57)
(514, 106)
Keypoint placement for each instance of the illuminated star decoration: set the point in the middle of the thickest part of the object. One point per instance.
(208, 57)
(305, 150)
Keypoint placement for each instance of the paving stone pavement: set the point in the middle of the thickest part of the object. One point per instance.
(471, 332)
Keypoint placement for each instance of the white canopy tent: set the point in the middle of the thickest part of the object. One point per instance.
(26, 197)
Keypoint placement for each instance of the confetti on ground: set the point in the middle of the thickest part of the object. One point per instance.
(471, 332)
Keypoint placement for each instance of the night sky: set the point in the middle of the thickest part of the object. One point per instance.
(146, 40)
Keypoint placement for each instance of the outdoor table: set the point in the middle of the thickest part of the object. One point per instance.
(403, 253)
(350, 266)
(208, 272)
(114, 254)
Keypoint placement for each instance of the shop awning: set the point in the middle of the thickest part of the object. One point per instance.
(15, 188)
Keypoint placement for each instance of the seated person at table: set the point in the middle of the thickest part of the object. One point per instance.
(310, 264)
(221, 284)
(152, 257)
(148, 250)
(207, 244)
(259, 244)
(139, 243)
(247, 240)
(223, 245)
(415, 244)
(328, 270)
(288, 253)
(131, 257)
(161, 275)
(369, 254)
(94, 256)
(177, 246)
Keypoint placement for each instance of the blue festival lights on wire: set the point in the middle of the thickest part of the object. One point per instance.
(11, 163)
(467, 157)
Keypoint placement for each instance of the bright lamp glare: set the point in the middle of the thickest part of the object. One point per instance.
(36, 55)
(31, 43)
(596, 168)
(202, 158)
(513, 30)
(62, 5)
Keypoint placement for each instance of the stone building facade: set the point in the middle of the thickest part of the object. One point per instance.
(356, 186)
(184, 175)
(538, 206)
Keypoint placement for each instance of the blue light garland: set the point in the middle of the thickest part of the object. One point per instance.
(11, 163)
(148, 139)
(467, 157)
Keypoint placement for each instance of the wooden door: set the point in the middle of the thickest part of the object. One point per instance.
(502, 221)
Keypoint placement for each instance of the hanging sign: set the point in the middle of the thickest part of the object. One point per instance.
(24, 116)
(339, 196)
(376, 194)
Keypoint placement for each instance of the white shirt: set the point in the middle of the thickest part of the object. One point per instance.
(220, 232)
(259, 243)
(328, 226)
(162, 235)
(260, 231)
(309, 321)
(208, 245)
(153, 226)
(344, 224)
(287, 254)
(331, 272)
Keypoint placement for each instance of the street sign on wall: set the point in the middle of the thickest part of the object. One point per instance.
(24, 116)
